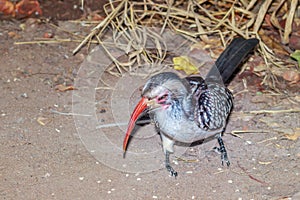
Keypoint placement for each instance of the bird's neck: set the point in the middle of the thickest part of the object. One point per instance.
(188, 106)
(181, 107)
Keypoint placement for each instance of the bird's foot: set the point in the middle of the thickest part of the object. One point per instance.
(224, 157)
(168, 166)
(222, 151)
(171, 170)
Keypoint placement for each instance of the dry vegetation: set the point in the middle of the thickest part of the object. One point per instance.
(210, 23)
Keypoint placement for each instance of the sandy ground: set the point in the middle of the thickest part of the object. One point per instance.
(53, 161)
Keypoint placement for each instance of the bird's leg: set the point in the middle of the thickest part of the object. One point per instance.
(168, 148)
(222, 150)
(168, 166)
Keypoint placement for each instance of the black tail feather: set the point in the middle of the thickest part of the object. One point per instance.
(231, 58)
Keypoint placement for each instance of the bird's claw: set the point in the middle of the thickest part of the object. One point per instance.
(224, 158)
(222, 151)
(168, 166)
(172, 171)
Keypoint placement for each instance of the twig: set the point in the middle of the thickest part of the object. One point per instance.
(111, 125)
(236, 132)
(249, 175)
(266, 140)
(289, 21)
(47, 41)
(69, 114)
(273, 111)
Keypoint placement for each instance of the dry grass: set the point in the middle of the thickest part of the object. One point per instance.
(213, 22)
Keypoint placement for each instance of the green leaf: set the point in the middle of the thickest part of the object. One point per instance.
(296, 56)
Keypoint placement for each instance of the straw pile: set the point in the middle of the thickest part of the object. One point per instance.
(209, 22)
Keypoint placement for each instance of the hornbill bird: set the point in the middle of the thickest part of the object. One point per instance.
(191, 109)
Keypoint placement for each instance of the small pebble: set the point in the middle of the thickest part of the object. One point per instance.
(230, 181)
(24, 95)
(138, 179)
(81, 178)
(248, 142)
(154, 197)
(189, 172)
(57, 130)
(108, 192)
(126, 175)
(109, 180)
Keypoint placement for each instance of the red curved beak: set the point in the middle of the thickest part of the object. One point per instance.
(140, 107)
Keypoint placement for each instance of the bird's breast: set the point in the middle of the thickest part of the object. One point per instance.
(178, 126)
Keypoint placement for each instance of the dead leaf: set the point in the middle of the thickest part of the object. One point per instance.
(285, 130)
(184, 63)
(48, 35)
(297, 98)
(273, 43)
(13, 35)
(43, 120)
(292, 76)
(28, 7)
(7, 7)
(63, 88)
(293, 137)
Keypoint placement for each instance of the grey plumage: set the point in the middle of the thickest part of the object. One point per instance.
(191, 109)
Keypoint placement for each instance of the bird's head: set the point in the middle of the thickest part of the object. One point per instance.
(162, 89)
(158, 94)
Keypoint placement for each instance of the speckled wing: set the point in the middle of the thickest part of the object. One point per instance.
(213, 103)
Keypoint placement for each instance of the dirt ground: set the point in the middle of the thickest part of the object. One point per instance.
(44, 154)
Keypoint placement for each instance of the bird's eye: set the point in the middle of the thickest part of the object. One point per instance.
(162, 98)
